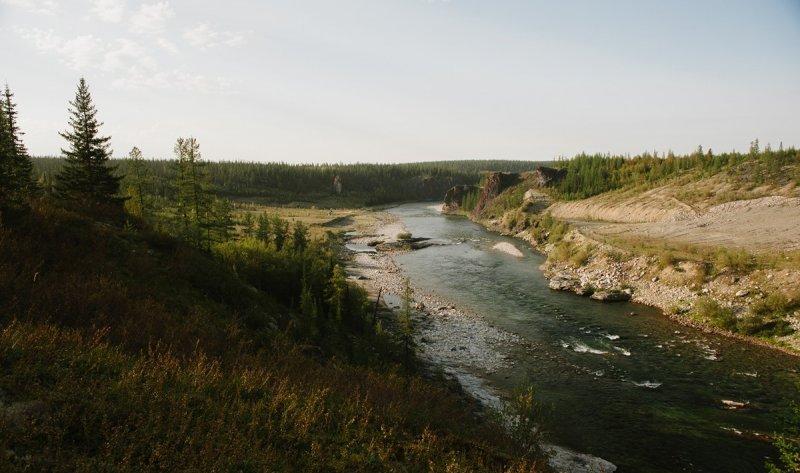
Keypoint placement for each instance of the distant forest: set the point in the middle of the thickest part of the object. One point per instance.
(589, 175)
(361, 184)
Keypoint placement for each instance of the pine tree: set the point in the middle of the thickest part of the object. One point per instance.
(299, 236)
(6, 159)
(138, 178)
(405, 323)
(280, 230)
(248, 225)
(16, 169)
(194, 198)
(263, 231)
(87, 178)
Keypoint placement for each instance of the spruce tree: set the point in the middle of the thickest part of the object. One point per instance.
(87, 178)
(299, 236)
(138, 179)
(263, 230)
(193, 189)
(6, 159)
(16, 169)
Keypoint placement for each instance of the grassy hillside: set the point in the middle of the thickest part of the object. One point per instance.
(126, 350)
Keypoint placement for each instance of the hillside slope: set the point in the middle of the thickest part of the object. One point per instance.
(126, 350)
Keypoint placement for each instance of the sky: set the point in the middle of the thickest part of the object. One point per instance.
(408, 80)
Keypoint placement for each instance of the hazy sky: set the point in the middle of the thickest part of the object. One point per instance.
(407, 80)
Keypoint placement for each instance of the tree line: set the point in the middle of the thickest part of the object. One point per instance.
(362, 184)
(592, 174)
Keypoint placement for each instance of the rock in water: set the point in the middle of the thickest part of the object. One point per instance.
(508, 248)
(611, 296)
(563, 283)
(564, 460)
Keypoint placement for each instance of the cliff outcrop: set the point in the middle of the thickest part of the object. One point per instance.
(494, 184)
(455, 197)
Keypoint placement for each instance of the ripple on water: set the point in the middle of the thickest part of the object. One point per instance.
(580, 347)
(647, 384)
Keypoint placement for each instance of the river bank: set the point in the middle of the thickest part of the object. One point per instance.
(449, 337)
(674, 289)
(633, 389)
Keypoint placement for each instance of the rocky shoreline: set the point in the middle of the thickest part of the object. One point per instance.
(635, 279)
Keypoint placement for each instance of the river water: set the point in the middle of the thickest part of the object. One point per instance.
(638, 390)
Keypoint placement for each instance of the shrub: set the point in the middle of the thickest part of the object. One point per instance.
(404, 236)
(738, 261)
(665, 259)
(561, 252)
(581, 256)
(710, 311)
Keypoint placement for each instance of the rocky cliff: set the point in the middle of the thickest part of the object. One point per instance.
(494, 184)
(455, 196)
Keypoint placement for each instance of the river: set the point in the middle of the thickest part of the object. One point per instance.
(638, 390)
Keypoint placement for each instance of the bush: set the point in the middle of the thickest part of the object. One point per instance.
(404, 236)
(738, 261)
(561, 252)
(710, 311)
(581, 256)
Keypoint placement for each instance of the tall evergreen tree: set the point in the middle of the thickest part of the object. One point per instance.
(87, 178)
(16, 168)
(6, 159)
(138, 179)
(192, 191)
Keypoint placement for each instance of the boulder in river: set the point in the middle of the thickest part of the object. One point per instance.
(564, 283)
(611, 296)
(508, 248)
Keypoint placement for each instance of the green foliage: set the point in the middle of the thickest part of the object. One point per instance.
(87, 180)
(736, 260)
(248, 224)
(581, 256)
(788, 446)
(16, 170)
(524, 415)
(404, 236)
(710, 311)
(117, 342)
(362, 184)
(264, 229)
(470, 200)
(299, 236)
(588, 175)
(562, 251)
(406, 324)
(137, 184)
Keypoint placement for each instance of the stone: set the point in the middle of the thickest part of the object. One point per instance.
(611, 296)
(742, 293)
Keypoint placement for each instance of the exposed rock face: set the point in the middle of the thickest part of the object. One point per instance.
(455, 195)
(545, 176)
(496, 182)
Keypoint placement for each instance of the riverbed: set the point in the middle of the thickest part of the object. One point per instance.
(619, 381)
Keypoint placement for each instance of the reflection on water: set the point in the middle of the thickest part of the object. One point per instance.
(638, 390)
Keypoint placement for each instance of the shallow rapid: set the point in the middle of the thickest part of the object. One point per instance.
(619, 381)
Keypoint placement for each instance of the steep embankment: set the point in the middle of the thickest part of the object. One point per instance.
(717, 251)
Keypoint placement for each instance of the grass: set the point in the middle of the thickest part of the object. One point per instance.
(318, 220)
(761, 322)
(126, 350)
